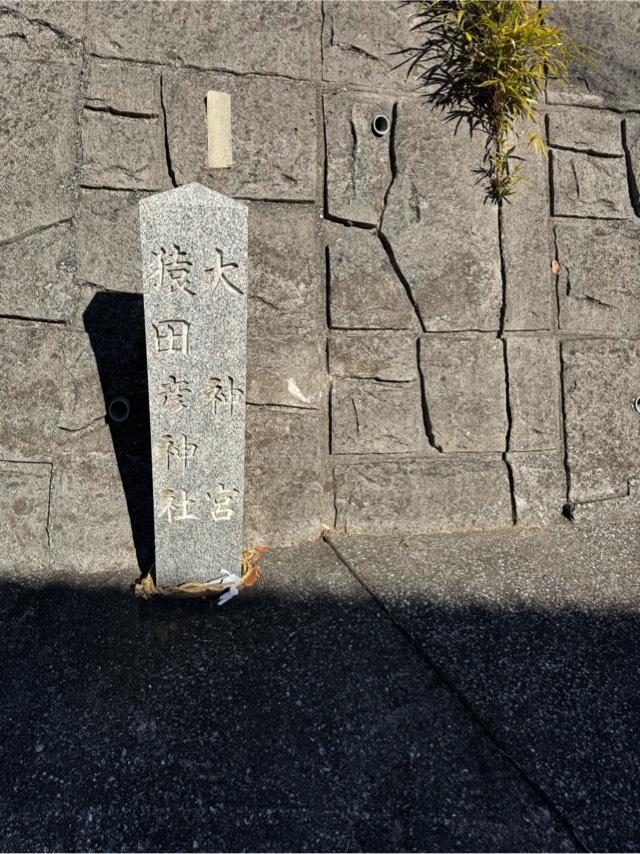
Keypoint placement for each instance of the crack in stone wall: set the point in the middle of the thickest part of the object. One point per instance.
(167, 147)
(503, 314)
(595, 150)
(383, 291)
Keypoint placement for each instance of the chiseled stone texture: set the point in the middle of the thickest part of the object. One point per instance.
(598, 279)
(284, 488)
(456, 283)
(122, 152)
(465, 390)
(24, 501)
(106, 362)
(86, 488)
(285, 370)
(94, 114)
(376, 417)
(122, 86)
(83, 399)
(49, 31)
(31, 390)
(422, 496)
(364, 289)
(631, 131)
(109, 240)
(526, 249)
(273, 134)
(101, 365)
(624, 506)
(196, 331)
(601, 382)
(361, 41)
(286, 269)
(272, 38)
(534, 393)
(591, 131)
(36, 275)
(589, 186)
(358, 161)
(600, 483)
(373, 356)
(539, 486)
(38, 142)
(611, 78)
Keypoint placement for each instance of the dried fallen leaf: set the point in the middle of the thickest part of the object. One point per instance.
(251, 577)
(250, 560)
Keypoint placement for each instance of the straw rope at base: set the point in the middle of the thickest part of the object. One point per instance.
(228, 585)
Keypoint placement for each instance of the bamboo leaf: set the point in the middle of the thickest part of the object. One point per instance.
(487, 64)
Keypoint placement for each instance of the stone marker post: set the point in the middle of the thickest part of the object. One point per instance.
(194, 270)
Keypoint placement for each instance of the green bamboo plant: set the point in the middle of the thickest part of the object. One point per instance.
(486, 63)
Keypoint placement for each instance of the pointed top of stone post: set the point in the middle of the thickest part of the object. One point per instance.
(194, 268)
(193, 193)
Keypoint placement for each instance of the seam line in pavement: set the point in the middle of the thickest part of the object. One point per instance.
(455, 692)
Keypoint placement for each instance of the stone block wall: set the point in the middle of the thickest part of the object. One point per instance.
(414, 364)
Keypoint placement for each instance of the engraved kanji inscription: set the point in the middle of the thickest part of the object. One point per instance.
(220, 274)
(223, 395)
(171, 336)
(177, 505)
(175, 394)
(179, 452)
(223, 502)
(174, 268)
(194, 265)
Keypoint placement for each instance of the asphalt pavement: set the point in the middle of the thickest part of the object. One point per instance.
(473, 692)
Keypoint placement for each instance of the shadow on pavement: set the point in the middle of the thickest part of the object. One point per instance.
(299, 717)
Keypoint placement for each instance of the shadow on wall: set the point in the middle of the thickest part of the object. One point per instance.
(289, 722)
(438, 64)
(114, 322)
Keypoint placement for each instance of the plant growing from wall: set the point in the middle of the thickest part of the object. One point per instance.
(486, 63)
